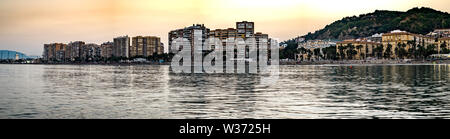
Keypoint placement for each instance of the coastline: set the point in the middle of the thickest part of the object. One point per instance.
(323, 62)
(366, 62)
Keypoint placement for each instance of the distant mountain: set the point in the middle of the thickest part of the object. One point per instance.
(416, 20)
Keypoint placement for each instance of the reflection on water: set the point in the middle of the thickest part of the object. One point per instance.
(96, 91)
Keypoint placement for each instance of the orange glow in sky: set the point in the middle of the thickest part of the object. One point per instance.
(27, 24)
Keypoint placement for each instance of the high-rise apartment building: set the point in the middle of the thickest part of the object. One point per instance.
(223, 33)
(121, 46)
(145, 46)
(73, 50)
(188, 33)
(89, 52)
(106, 49)
(54, 51)
(245, 29)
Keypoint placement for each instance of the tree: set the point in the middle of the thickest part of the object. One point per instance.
(367, 51)
(417, 20)
(317, 53)
(420, 51)
(397, 50)
(308, 51)
(330, 52)
(302, 51)
(359, 50)
(431, 49)
(351, 52)
(290, 50)
(388, 52)
(412, 50)
(401, 50)
(444, 49)
(341, 52)
(378, 51)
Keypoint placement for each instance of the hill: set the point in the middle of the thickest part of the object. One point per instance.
(416, 20)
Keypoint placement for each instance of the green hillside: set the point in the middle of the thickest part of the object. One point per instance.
(416, 20)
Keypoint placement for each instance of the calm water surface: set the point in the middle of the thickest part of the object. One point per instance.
(96, 91)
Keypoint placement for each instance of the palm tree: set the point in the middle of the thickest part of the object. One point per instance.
(388, 52)
(444, 49)
(316, 52)
(359, 50)
(420, 51)
(341, 51)
(309, 54)
(430, 50)
(413, 52)
(378, 51)
(350, 50)
(403, 51)
(397, 50)
(367, 51)
(411, 49)
(302, 51)
(330, 52)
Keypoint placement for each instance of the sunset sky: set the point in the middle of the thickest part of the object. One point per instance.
(26, 25)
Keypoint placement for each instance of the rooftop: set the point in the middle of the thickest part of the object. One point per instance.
(363, 41)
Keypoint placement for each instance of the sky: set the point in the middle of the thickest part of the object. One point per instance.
(26, 25)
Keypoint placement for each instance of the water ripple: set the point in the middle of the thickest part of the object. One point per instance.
(336, 91)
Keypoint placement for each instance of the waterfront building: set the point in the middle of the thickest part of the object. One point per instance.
(174, 34)
(223, 33)
(444, 42)
(405, 39)
(121, 46)
(397, 36)
(260, 37)
(245, 29)
(440, 56)
(73, 50)
(310, 45)
(161, 49)
(54, 51)
(90, 52)
(363, 47)
(189, 33)
(396, 40)
(378, 37)
(106, 49)
(145, 46)
(439, 33)
(299, 39)
(60, 52)
(46, 54)
(9, 55)
(247, 32)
